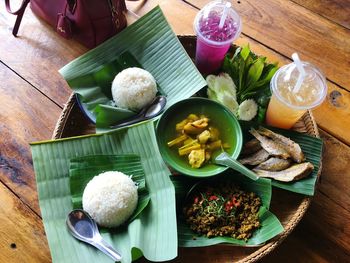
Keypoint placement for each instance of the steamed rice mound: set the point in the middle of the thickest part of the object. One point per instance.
(110, 198)
(133, 89)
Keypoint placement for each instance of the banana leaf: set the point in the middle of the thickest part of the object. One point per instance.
(312, 149)
(270, 225)
(83, 169)
(98, 104)
(155, 48)
(153, 233)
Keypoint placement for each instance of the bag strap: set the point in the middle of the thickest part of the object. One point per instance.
(19, 13)
(64, 25)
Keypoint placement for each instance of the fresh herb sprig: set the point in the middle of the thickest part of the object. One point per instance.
(252, 76)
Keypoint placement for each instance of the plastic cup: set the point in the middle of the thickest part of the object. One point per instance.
(287, 106)
(213, 42)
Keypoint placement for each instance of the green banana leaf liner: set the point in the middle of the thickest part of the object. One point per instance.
(312, 149)
(83, 169)
(148, 43)
(270, 225)
(153, 233)
(105, 112)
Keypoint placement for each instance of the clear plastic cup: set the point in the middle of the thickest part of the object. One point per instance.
(287, 106)
(212, 41)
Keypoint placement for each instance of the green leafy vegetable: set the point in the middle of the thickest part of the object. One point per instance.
(261, 113)
(252, 76)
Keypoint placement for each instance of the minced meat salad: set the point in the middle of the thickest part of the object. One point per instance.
(223, 210)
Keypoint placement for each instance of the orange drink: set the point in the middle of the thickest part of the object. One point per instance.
(286, 116)
(287, 105)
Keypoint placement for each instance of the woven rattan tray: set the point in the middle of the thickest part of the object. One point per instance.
(288, 207)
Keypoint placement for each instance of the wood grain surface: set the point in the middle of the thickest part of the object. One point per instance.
(42, 56)
(33, 94)
(21, 231)
(335, 10)
(26, 116)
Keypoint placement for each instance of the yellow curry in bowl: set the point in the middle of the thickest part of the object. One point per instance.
(197, 139)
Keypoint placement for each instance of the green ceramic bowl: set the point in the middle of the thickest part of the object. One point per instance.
(220, 117)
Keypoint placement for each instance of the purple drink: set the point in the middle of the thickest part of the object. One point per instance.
(214, 41)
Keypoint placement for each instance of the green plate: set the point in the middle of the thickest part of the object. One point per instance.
(220, 117)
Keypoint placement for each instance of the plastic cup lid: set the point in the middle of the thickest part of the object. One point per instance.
(217, 7)
(312, 92)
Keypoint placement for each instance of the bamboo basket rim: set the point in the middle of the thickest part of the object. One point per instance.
(307, 124)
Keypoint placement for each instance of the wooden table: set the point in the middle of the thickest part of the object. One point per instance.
(33, 95)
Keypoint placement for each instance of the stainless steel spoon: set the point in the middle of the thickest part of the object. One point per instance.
(152, 110)
(84, 228)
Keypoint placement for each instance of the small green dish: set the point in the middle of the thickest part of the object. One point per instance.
(220, 117)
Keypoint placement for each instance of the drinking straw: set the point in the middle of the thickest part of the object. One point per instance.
(301, 70)
(224, 14)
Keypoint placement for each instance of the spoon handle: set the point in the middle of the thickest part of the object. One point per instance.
(152, 110)
(107, 249)
(225, 159)
(129, 122)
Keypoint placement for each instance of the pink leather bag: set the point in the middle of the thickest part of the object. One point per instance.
(88, 21)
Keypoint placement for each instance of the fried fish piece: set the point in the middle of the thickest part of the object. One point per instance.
(274, 164)
(250, 147)
(293, 173)
(290, 146)
(272, 147)
(257, 158)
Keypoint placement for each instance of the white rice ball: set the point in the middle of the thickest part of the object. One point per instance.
(133, 88)
(110, 198)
